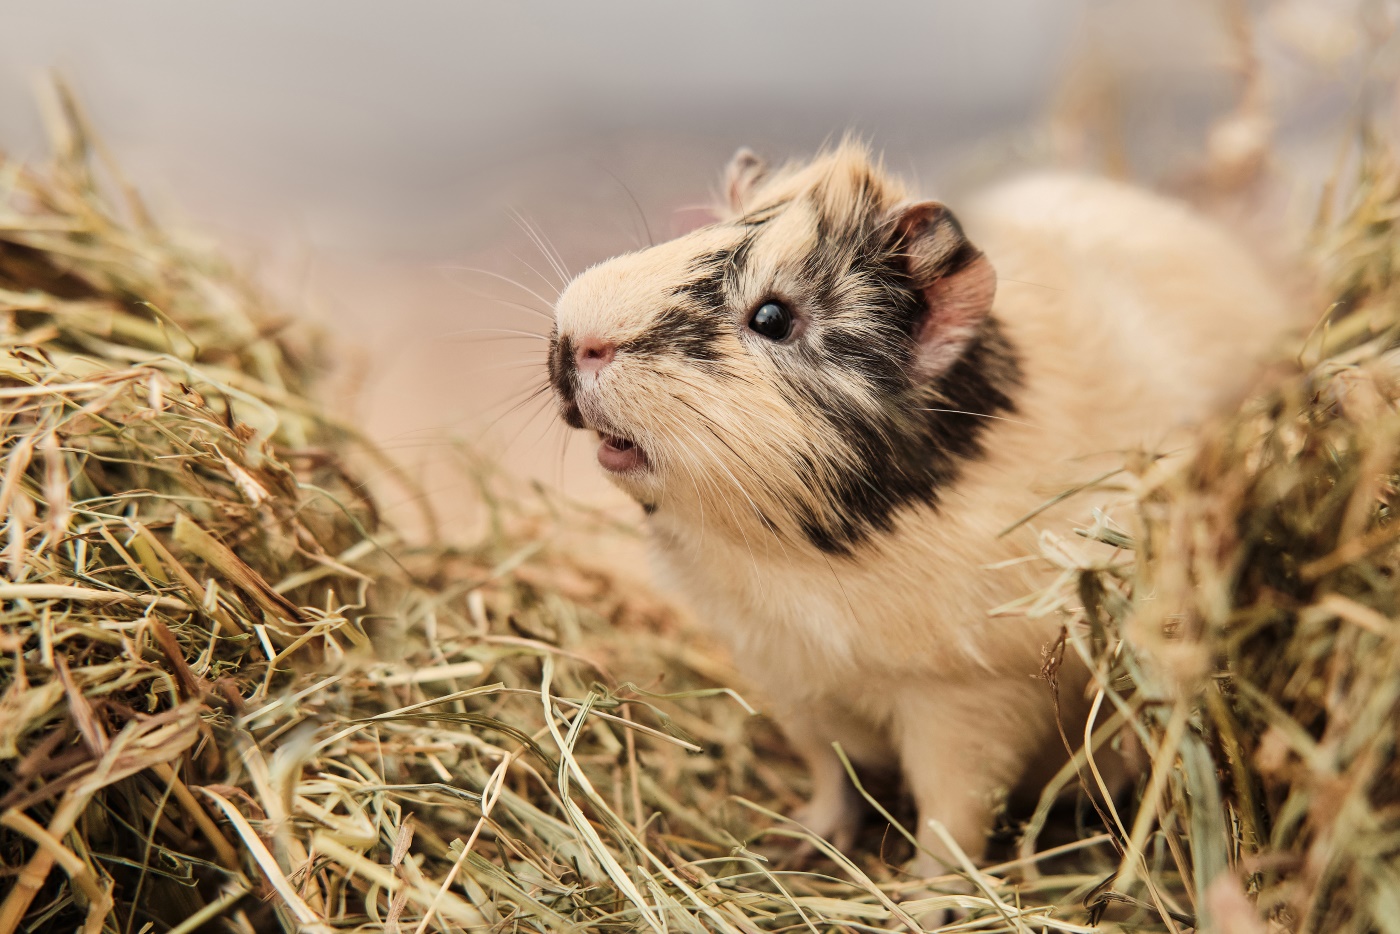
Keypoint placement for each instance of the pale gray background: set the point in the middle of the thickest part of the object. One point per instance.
(387, 125)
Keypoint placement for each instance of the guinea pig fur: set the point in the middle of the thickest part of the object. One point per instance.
(830, 403)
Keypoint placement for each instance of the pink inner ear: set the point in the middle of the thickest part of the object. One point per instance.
(957, 306)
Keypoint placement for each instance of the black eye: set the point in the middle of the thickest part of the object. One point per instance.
(772, 320)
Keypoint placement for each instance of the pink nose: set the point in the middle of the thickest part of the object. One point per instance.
(593, 354)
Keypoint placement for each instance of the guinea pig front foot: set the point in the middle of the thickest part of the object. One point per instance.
(832, 813)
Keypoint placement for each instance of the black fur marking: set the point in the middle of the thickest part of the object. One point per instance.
(866, 308)
(563, 376)
(571, 414)
(915, 448)
(693, 334)
(562, 370)
(713, 274)
(695, 326)
(763, 215)
(961, 258)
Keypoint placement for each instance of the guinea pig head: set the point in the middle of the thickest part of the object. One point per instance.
(819, 360)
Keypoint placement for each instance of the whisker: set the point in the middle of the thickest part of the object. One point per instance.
(565, 437)
(552, 252)
(1038, 285)
(535, 397)
(514, 400)
(842, 587)
(690, 473)
(506, 279)
(548, 426)
(685, 382)
(709, 426)
(530, 266)
(739, 526)
(546, 248)
(651, 241)
(510, 332)
(514, 304)
(1000, 418)
(529, 395)
(474, 293)
(508, 366)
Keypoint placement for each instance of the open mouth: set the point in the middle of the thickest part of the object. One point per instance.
(619, 454)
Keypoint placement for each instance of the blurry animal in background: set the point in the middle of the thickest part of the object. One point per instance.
(831, 404)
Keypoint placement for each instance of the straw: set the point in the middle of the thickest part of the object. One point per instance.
(233, 697)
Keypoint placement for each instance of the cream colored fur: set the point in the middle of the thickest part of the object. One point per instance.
(1132, 318)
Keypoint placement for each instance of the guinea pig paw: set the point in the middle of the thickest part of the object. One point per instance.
(836, 822)
(834, 825)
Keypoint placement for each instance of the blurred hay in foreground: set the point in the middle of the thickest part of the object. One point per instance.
(230, 697)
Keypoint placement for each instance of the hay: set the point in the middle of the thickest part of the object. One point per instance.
(229, 692)
(1251, 637)
(230, 695)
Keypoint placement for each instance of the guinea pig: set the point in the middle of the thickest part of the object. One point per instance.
(830, 403)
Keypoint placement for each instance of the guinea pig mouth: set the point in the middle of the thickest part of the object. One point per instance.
(619, 454)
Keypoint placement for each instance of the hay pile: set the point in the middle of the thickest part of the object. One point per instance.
(1248, 628)
(231, 697)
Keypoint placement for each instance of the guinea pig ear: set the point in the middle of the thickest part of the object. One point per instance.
(957, 281)
(741, 177)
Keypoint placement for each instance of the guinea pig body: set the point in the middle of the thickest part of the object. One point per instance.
(831, 405)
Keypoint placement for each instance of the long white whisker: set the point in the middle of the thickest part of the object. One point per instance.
(842, 587)
(550, 251)
(520, 399)
(709, 426)
(506, 279)
(719, 496)
(642, 215)
(518, 365)
(476, 293)
(566, 437)
(531, 266)
(528, 421)
(551, 256)
(1000, 418)
(507, 331)
(514, 304)
(753, 559)
(690, 473)
(766, 419)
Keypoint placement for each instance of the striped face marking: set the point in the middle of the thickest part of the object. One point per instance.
(808, 368)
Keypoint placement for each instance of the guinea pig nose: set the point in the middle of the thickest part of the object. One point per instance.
(593, 353)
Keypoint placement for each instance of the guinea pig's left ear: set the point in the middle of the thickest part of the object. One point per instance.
(741, 177)
(957, 281)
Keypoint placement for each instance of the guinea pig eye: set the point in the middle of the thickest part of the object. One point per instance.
(772, 320)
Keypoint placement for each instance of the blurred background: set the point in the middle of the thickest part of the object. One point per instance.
(388, 167)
